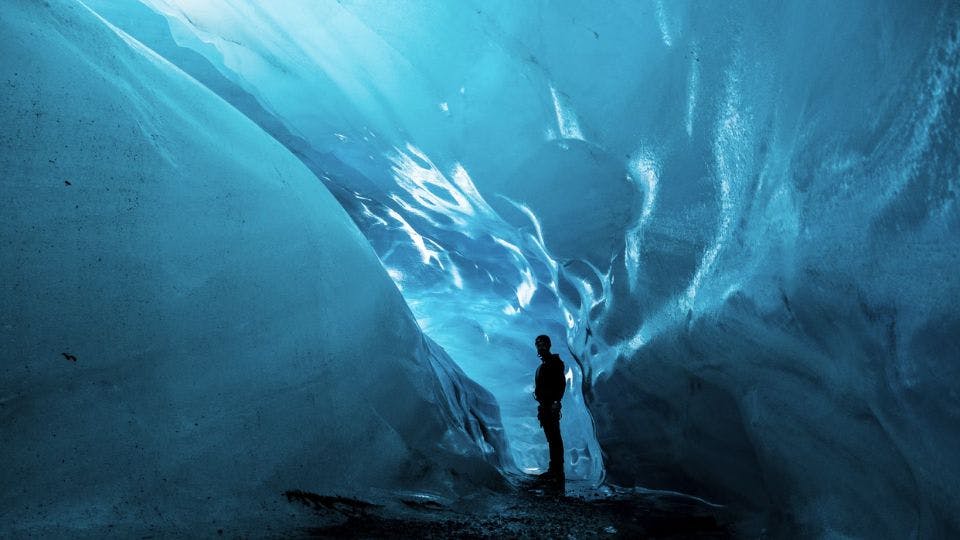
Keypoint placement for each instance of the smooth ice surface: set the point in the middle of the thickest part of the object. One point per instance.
(474, 270)
(191, 324)
(747, 213)
(741, 215)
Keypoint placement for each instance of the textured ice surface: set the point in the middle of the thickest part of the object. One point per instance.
(742, 215)
(766, 307)
(482, 286)
(191, 324)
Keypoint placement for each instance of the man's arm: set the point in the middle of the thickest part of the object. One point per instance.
(560, 380)
(537, 385)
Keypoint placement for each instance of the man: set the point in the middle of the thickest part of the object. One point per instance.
(550, 384)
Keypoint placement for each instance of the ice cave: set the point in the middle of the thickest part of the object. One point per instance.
(266, 264)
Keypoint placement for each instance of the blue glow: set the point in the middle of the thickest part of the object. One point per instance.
(738, 220)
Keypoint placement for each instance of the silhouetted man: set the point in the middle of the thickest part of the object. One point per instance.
(550, 384)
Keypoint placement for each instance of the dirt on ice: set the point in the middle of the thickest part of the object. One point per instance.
(527, 510)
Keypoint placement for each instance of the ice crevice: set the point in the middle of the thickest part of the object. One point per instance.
(324, 235)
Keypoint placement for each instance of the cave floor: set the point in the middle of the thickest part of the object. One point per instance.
(526, 510)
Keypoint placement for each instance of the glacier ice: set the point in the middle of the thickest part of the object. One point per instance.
(191, 324)
(741, 216)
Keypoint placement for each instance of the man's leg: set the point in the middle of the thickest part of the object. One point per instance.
(551, 428)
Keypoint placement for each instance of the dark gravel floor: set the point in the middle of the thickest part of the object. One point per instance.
(528, 510)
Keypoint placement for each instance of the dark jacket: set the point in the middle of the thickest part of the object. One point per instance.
(550, 380)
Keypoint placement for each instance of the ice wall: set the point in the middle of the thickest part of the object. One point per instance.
(743, 213)
(190, 322)
(481, 286)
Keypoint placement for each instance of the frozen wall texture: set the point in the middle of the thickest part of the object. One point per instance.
(742, 216)
(191, 324)
(746, 214)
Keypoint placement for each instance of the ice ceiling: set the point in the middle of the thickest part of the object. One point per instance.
(738, 220)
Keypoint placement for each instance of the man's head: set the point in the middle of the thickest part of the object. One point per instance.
(543, 346)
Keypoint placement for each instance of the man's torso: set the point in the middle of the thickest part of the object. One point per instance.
(550, 381)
